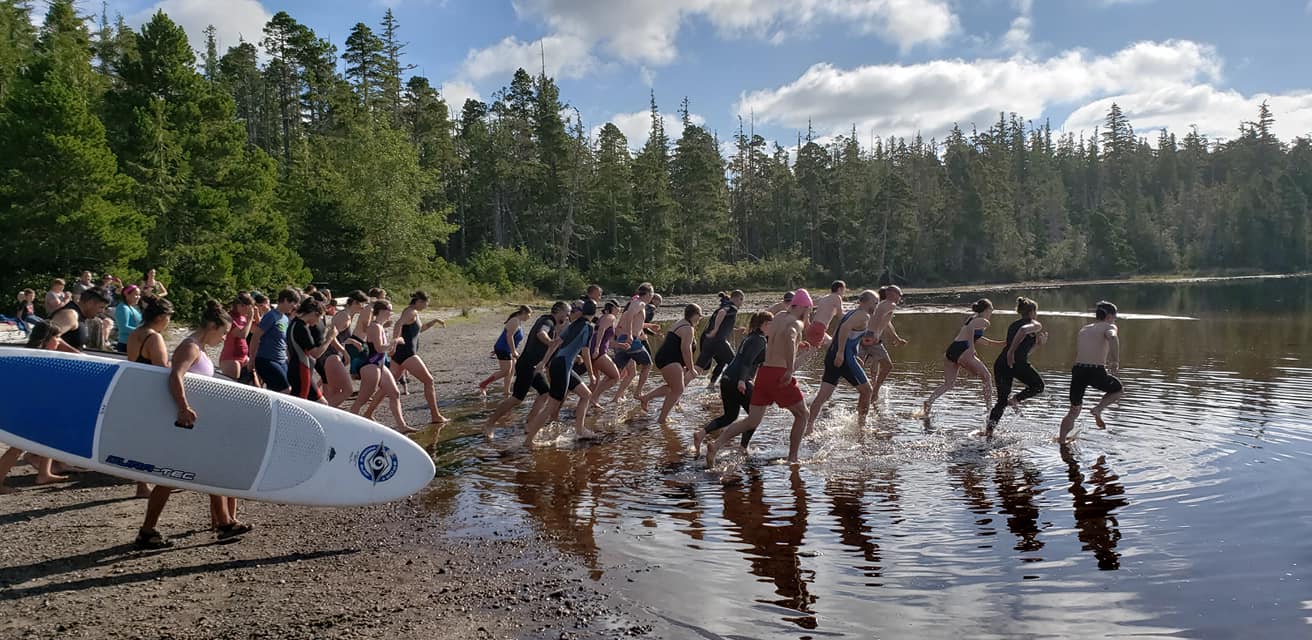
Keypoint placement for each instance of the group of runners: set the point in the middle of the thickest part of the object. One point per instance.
(589, 347)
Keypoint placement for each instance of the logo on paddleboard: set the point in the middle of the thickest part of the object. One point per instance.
(377, 463)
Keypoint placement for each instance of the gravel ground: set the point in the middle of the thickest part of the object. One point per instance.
(68, 568)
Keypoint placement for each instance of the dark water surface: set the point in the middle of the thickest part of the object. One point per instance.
(1188, 517)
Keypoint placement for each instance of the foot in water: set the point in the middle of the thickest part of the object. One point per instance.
(697, 437)
(586, 434)
(405, 428)
(1097, 417)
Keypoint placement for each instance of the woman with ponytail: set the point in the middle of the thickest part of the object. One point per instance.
(961, 354)
(506, 348)
(190, 357)
(406, 360)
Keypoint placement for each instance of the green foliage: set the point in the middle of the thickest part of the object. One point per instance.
(117, 153)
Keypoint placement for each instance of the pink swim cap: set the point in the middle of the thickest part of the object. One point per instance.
(802, 298)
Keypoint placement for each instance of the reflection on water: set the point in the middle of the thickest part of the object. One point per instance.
(1185, 517)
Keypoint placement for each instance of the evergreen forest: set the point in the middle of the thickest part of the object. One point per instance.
(291, 159)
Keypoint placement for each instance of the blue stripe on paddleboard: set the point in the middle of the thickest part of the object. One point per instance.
(61, 397)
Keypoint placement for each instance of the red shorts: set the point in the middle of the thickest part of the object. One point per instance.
(770, 389)
(815, 334)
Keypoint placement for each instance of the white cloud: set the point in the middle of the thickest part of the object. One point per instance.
(1217, 113)
(636, 126)
(455, 93)
(645, 31)
(930, 97)
(566, 57)
(1017, 38)
(232, 20)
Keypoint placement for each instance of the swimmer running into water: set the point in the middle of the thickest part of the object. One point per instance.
(873, 348)
(1097, 361)
(961, 354)
(736, 385)
(674, 361)
(539, 346)
(1023, 336)
(506, 348)
(405, 358)
(842, 361)
(817, 333)
(775, 383)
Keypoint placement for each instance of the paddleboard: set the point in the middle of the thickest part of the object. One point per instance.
(117, 417)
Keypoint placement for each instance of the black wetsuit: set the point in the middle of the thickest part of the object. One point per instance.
(715, 346)
(1003, 375)
(526, 374)
(751, 355)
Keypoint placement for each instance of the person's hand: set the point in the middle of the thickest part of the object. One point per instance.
(1114, 368)
(1011, 360)
(186, 416)
(742, 387)
(838, 360)
(1042, 338)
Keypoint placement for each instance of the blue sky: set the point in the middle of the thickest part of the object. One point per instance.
(885, 67)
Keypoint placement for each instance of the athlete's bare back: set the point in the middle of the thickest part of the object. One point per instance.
(1099, 344)
(826, 308)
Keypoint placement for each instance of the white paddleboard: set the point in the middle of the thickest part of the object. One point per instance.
(117, 417)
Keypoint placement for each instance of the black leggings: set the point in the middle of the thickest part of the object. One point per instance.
(734, 403)
(1003, 376)
(718, 350)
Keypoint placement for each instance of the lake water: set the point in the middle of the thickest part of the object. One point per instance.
(1189, 516)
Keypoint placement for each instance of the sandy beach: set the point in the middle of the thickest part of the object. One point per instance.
(68, 568)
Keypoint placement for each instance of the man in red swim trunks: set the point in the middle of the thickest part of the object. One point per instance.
(826, 308)
(774, 380)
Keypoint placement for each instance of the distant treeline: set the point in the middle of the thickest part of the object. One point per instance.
(121, 150)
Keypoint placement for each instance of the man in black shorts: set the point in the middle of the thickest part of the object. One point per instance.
(1097, 360)
(539, 345)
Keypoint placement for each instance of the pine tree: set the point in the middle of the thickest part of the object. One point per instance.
(17, 40)
(392, 68)
(365, 60)
(61, 195)
(209, 194)
(656, 258)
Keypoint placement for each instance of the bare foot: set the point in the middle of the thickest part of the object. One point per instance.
(50, 479)
(437, 418)
(1097, 418)
(924, 409)
(697, 437)
(643, 403)
(405, 428)
(711, 445)
(489, 432)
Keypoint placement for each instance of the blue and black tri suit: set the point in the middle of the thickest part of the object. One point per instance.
(851, 371)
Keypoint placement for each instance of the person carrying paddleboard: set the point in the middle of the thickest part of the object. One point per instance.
(190, 357)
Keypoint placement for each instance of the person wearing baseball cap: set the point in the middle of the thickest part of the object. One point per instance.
(775, 383)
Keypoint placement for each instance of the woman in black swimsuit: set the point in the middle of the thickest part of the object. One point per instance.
(376, 381)
(674, 361)
(961, 354)
(146, 346)
(405, 358)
